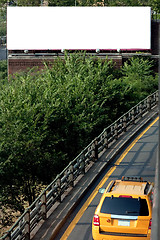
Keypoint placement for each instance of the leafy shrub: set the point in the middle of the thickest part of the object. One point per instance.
(3, 71)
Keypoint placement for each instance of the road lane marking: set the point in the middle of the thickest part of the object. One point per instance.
(102, 182)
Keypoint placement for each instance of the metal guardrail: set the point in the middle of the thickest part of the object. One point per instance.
(53, 193)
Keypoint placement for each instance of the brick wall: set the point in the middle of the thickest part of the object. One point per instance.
(16, 64)
(23, 64)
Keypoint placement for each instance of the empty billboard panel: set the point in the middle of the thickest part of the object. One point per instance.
(78, 28)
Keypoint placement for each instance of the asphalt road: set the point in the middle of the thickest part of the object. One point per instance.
(138, 159)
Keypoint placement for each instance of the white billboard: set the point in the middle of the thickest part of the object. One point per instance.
(86, 28)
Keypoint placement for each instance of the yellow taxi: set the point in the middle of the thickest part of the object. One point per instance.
(124, 211)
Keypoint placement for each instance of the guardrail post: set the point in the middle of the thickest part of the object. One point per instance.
(140, 109)
(148, 103)
(157, 97)
(27, 225)
(116, 131)
(124, 123)
(105, 140)
(83, 165)
(112, 131)
(59, 188)
(43, 206)
(37, 206)
(95, 150)
(71, 177)
(132, 114)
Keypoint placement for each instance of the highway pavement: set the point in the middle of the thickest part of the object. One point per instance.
(137, 159)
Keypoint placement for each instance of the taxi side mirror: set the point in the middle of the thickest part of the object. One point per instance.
(101, 190)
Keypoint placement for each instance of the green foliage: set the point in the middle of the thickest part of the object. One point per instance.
(47, 118)
(155, 4)
(3, 71)
(138, 75)
(72, 2)
(28, 2)
(23, 131)
(61, 2)
(2, 2)
(86, 2)
(3, 22)
(3, 30)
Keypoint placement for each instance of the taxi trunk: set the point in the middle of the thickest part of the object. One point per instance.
(124, 216)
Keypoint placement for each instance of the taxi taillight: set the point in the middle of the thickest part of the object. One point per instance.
(150, 223)
(96, 220)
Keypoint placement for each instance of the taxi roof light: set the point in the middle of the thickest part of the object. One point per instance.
(125, 196)
(132, 178)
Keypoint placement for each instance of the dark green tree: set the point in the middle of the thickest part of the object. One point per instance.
(28, 2)
(139, 76)
(155, 4)
(61, 3)
(3, 71)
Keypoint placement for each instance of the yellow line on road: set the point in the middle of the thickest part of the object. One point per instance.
(105, 178)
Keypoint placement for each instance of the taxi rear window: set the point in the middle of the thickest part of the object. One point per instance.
(125, 206)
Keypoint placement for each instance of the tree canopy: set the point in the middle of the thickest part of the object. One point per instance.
(155, 4)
